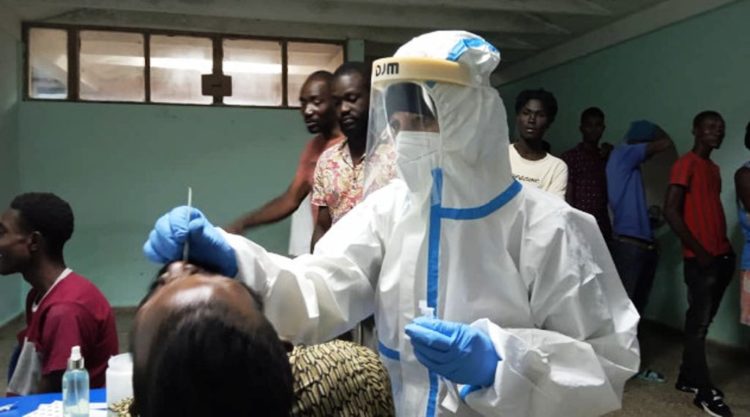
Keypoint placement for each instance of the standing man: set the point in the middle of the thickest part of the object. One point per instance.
(742, 186)
(694, 212)
(339, 175)
(530, 161)
(63, 309)
(587, 176)
(633, 245)
(319, 112)
(339, 178)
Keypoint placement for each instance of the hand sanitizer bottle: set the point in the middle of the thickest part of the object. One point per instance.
(75, 386)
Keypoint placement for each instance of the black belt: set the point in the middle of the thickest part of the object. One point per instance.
(641, 243)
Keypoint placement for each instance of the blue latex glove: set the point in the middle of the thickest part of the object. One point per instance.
(456, 351)
(207, 246)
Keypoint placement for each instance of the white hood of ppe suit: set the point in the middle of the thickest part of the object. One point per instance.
(473, 146)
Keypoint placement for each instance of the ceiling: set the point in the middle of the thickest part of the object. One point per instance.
(531, 34)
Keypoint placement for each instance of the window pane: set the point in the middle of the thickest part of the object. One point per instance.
(177, 63)
(112, 65)
(306, 58)
(255, 68)
(48, 63)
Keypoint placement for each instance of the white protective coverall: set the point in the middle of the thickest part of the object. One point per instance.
(457, 231)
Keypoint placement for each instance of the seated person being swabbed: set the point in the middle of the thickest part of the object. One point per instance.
(202, 346)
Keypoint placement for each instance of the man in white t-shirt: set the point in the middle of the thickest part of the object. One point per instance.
(530, 162)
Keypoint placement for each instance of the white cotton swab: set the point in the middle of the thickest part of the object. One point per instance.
(186, 248)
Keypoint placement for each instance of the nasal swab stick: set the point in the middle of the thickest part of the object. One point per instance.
(186, 248)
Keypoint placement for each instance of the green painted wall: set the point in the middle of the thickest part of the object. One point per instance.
(123, 165)
(355, 50)
(10, 286)
(667, 76)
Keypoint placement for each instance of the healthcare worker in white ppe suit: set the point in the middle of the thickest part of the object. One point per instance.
(530, 317)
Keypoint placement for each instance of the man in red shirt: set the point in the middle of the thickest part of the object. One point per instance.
(63, 309)
(693, 209)
(319, 112)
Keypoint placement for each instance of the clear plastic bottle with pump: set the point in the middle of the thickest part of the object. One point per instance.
(75, 386)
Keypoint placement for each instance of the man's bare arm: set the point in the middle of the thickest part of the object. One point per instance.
(277, 209)
(660, 144)
(322, 225)
(673, 213)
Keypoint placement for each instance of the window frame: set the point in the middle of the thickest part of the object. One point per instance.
(74, 50)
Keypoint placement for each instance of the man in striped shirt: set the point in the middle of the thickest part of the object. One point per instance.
(694, 211)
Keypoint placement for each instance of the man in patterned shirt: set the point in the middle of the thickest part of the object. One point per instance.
(339, 175)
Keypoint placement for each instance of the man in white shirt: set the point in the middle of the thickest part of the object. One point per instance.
(529, 161)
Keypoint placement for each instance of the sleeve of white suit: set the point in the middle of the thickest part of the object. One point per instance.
(310, 299)
(584, 347)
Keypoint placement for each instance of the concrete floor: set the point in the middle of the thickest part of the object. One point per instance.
(662, 348)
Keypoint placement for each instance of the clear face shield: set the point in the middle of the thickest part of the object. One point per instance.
(404, 138)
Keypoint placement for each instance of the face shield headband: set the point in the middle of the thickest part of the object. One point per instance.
(404, 69)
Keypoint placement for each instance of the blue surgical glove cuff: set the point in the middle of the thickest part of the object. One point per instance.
(468, 389)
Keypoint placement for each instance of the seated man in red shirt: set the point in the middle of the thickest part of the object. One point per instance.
(63, 309)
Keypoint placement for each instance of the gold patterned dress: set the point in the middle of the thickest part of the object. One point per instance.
(334, 379)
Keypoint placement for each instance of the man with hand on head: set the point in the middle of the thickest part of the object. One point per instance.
(633, 245)
(490, 298)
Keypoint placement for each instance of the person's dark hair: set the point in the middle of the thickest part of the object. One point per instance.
(47, 214)
(155, 283)
(592, 112)
(208, 360)
(708, 114)
(321, 75)
(548, 101)
(348, 68)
